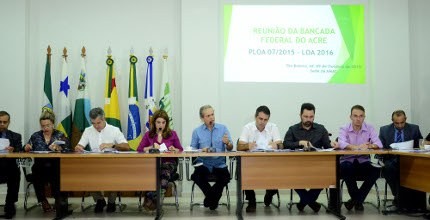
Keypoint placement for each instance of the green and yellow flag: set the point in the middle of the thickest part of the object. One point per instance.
(134, 131)
(111, 108)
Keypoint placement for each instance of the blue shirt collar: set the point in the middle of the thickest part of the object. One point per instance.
(206, 127)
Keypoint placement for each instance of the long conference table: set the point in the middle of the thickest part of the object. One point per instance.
(256, 170)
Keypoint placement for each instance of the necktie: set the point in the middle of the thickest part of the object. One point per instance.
(398, 136)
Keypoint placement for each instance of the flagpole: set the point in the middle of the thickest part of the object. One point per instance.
(83, 55)
(65, 53)
(49, 52)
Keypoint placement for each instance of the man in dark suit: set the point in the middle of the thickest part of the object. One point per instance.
(9, 172)
(398, 131)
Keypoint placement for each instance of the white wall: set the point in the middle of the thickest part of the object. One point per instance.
(389, 51)
(13, 60)
(419, 62)
(200, 62)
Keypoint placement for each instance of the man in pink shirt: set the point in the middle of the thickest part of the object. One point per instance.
(358, 135)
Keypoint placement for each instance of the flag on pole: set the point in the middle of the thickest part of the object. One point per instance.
(165, 102)
(111, 94)
(134, 131)
(64, 113)
(47, 86)
(81, 118)
(149, 96)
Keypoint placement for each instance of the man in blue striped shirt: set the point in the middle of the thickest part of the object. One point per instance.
(211, 137)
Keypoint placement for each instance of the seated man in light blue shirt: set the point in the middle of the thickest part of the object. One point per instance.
(211, 137)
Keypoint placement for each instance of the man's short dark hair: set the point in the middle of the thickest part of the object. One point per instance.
(307, 106)
(358, 107)
(398, 113)
(4, 113)
(96, 112)
(263, 109)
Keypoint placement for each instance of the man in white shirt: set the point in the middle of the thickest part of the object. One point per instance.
(102, 137)
(259, 135)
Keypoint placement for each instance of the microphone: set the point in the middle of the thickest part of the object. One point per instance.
(154, 151)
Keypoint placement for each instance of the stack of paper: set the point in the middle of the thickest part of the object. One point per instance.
(407, 145)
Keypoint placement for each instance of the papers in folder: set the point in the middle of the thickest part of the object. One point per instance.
(4, 143)
(407, 145)
(97, 150)
(59, 142)
(189, 149)
(262, 149)
(41, 152)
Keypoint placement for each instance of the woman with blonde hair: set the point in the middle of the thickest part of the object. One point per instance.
(47, 170)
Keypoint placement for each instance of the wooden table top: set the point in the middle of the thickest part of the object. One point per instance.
(190, 154)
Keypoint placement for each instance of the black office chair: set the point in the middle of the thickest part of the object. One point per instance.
(211, 179)
(175, 177)
(25, 164)
(380, 162)
(386, 199)
(361, 178)
(2, 181)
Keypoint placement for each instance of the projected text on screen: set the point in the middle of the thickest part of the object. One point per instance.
(294, 43)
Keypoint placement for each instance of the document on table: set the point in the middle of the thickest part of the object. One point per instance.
(97, 150)
(163, 147)
(326, 150)
(59, 142)
(189, 149)
(407, 145)
(127, 152)
(41, 152)
(4, 143)
(262, 149)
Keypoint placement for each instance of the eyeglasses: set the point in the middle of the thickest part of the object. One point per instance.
(4, 122)
(46, 126)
